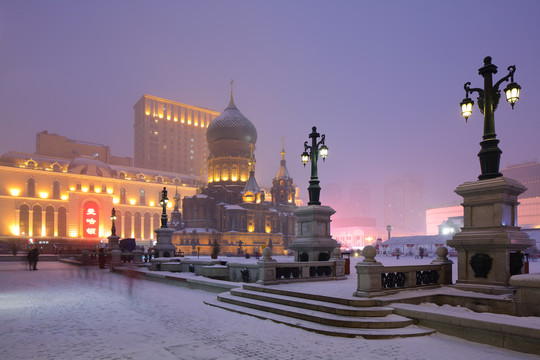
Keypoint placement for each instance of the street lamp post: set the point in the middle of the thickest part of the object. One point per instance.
(313, 155)
(164, 201)
(389, 229)
(488, 99)
(113, 219)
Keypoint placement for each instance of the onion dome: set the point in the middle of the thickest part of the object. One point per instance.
(86, 165)
(231, 124)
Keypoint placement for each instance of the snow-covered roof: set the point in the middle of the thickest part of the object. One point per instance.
(417, 240)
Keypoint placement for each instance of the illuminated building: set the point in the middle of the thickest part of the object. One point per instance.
(232, 209)
(170, 136)
(68, 202)
(59, 146)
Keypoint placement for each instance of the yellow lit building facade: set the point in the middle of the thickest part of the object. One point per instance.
(60, 202)
(171, 136)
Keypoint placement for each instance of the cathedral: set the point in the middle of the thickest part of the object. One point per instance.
(232, 212)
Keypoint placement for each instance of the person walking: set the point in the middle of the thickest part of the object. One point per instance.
(32, 257)
(101, 258)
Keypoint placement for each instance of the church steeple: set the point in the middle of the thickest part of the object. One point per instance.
(251, 192)
(283, 189)
(282, 172)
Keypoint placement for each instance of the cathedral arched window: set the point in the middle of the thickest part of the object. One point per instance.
(225, 173)
(234, 173)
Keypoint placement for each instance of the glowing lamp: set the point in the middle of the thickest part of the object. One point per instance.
(466, 108)
(64, 197)
(151, 203)
(115, 200)
(97, 190)
(43, 195)
(305, 158)
(109, 191)
(14, 192)
(84, 189)
(323, 151)
(512, 93)
(132, 201)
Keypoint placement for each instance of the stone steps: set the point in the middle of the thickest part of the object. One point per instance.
(336, 318)
(317, 305)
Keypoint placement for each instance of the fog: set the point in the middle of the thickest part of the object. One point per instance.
(382, 80)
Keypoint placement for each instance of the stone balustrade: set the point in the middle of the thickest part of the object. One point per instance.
(265, 271)
(374, 279)
(273, 272)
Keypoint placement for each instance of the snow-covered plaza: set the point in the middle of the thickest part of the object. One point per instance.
(63, 311)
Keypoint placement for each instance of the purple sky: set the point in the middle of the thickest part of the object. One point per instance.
(382, 79)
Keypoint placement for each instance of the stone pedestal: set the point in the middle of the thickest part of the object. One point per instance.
(113, 242)
(313, 241)
(267, 268)
(490, 244)
(137, 256)
(164, 246)
(116, 258)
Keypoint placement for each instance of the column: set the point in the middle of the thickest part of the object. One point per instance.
(18, 220)
(132, 235)
(30, 222)
(55, 232)
(123, 225)
(152, 227)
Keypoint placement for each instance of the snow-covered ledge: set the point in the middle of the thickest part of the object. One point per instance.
(527, 294)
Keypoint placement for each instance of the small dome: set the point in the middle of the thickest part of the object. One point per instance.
(231, 124)
(86, 165)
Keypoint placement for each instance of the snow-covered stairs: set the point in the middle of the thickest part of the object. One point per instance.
(322, 314)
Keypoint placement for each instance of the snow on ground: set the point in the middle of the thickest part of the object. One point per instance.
(66, 312)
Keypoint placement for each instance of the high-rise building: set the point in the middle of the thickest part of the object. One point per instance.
(171, 136)
(404, 206)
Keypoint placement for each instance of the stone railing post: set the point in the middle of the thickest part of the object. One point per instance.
(267, 268)
(446, 265)
(368, 274)
(116, 258)
(339, 263)
(137, 256)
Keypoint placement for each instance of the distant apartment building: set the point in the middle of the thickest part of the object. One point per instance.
(528, 174)
(171, 136)
(59, 146)
(404, 206)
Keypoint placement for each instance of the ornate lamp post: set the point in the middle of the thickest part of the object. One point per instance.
(164, 201)
(488, 99)
(314, 152)
(113, 219)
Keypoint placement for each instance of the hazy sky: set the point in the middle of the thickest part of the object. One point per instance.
(382, 79)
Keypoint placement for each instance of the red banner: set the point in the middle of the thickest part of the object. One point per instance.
(91, 220)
